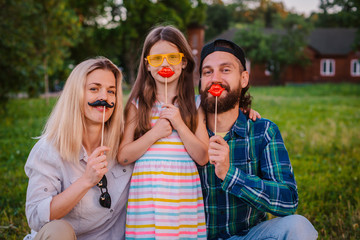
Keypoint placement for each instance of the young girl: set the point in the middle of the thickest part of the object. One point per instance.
(165, 134)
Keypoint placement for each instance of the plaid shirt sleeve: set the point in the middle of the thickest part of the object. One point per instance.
(275, 191)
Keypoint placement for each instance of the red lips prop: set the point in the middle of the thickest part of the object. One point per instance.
(216, 90)
(166, 72)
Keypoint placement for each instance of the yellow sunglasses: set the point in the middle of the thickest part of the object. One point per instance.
(157, 59)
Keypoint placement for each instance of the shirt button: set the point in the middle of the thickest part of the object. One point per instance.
(45, 189)
(111, 210)
(124, 170)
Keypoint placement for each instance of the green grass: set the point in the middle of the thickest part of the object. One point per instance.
(320, 125)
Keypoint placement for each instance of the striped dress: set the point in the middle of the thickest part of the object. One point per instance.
(165, 199)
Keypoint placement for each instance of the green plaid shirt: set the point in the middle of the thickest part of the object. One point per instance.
(260, 180)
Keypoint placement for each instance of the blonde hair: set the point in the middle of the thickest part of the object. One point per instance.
(66, 125)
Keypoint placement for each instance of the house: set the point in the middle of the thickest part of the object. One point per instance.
(331, 54)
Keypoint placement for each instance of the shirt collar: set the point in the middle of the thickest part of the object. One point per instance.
(83, 154)
(239, 128)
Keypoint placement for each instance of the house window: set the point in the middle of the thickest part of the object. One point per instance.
(327, 67)
(355, 67)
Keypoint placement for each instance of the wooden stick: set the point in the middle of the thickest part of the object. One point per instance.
(165, 90)
(102, 130)
(215, 113)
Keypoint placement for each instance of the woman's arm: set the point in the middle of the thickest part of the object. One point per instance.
(130, 150)
(65, 201)
(45, 197)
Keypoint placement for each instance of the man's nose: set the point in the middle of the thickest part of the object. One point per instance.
(216, 76)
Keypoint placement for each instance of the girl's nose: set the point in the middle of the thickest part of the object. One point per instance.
(165, 62)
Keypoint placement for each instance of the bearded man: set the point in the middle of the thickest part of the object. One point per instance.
(249, 173)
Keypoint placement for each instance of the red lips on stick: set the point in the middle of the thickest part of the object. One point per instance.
(166, 72)
(216, 91)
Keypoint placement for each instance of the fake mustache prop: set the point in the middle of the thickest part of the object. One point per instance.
(101, 103)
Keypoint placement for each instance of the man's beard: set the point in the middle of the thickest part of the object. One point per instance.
(224, 104)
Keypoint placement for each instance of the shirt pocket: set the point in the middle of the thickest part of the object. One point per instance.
(244, 158)
(120, 175)
(241, 159)
(119, 171)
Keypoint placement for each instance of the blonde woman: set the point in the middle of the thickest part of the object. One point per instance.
(76, 187)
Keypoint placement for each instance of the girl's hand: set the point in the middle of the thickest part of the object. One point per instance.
(96, 166)
(253, 115)
(162, 128)
(172, 113)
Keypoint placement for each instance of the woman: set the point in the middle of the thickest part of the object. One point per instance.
(76, 187)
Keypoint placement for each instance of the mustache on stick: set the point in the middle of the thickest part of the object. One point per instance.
(101, 103)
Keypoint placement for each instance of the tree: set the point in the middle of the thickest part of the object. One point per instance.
(36, 36)
(55, 31)
(338, 13)
(96, 38)
(279, 47)
(217, 20)
(16, 47)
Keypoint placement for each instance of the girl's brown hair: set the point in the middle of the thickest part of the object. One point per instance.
(144, 89)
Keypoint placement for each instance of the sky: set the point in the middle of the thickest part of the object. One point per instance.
(301, 6)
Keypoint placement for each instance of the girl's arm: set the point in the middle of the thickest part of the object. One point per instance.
(195, 144)
(130, 150)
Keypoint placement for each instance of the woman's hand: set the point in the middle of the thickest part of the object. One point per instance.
(96, 166)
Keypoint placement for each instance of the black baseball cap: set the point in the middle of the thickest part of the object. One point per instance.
(222, 45)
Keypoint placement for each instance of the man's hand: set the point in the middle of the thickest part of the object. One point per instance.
(219, 156)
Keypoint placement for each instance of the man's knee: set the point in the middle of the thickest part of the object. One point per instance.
(56, 230)
(299, 227)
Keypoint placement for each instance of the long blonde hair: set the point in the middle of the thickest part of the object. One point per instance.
(144, 89)
(66, 125)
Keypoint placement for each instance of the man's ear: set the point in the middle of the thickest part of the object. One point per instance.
(244, 79)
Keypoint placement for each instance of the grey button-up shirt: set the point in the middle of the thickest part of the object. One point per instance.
(50, 175)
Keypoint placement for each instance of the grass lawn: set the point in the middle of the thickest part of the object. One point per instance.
(320, 125)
